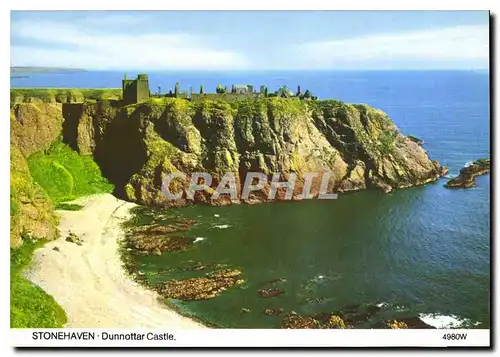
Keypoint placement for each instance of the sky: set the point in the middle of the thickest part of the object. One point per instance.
(250, 40)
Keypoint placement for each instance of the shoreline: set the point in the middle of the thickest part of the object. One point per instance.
(89, 281)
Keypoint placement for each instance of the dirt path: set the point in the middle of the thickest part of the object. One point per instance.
(88, 280)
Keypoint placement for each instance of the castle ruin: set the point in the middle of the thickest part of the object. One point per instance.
(135, 90)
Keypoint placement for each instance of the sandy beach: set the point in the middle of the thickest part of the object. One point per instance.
(88, 281)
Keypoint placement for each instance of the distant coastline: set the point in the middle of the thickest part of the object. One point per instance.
(23, 72)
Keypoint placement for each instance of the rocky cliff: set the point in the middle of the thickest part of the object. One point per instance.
(137, 145)
(33, 128)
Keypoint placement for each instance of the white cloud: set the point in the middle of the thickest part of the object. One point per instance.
(89, 46)
(441, 48)
(99, 42)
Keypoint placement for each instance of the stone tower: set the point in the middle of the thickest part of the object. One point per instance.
(135, 90)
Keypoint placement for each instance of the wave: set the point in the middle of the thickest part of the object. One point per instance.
(447, 321)
(222, 226)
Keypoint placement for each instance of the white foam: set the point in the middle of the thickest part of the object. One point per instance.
(199, 239)
(468, 163)
(320, 277)
(443, 321)
(222, 226)
(216, 215)
(382, 304)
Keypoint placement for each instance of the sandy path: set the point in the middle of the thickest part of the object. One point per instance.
(88, 281)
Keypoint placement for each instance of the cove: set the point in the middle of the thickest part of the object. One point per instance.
(409, 253)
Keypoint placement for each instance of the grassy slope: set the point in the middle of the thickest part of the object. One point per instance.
(30, 306)
(64, 175)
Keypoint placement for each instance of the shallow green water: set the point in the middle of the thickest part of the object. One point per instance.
(419, 250)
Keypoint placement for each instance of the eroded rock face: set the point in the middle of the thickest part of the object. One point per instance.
(467, 175)
(395, 324)
(35, 126)
(31, 210)
(137, 146)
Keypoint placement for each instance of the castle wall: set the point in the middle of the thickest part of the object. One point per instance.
(142, 90)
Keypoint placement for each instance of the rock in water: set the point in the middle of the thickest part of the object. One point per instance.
(415, 139)
(395, 324)
(467, 175)
(265, 293)
(201, 288)
(276, 311)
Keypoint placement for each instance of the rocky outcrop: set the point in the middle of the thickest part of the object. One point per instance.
(354, 316)
(201, 288)
(415, 139)
(467, 175)
(34, 126)
(137, 146)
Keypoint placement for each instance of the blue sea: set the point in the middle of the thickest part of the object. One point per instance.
(423, 251)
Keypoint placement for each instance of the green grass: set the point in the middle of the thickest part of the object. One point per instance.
(387, 141)
(62, 95)
(30, 306)
(66, 175)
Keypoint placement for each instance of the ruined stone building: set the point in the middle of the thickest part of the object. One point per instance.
(135, 90)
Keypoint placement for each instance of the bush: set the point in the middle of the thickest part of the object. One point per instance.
(387, 141)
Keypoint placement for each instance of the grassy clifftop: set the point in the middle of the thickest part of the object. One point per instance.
(63, 95)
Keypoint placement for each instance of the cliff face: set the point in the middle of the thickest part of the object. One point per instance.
(136, 146)
(31, 210)
(33, 128)
(43, 171)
